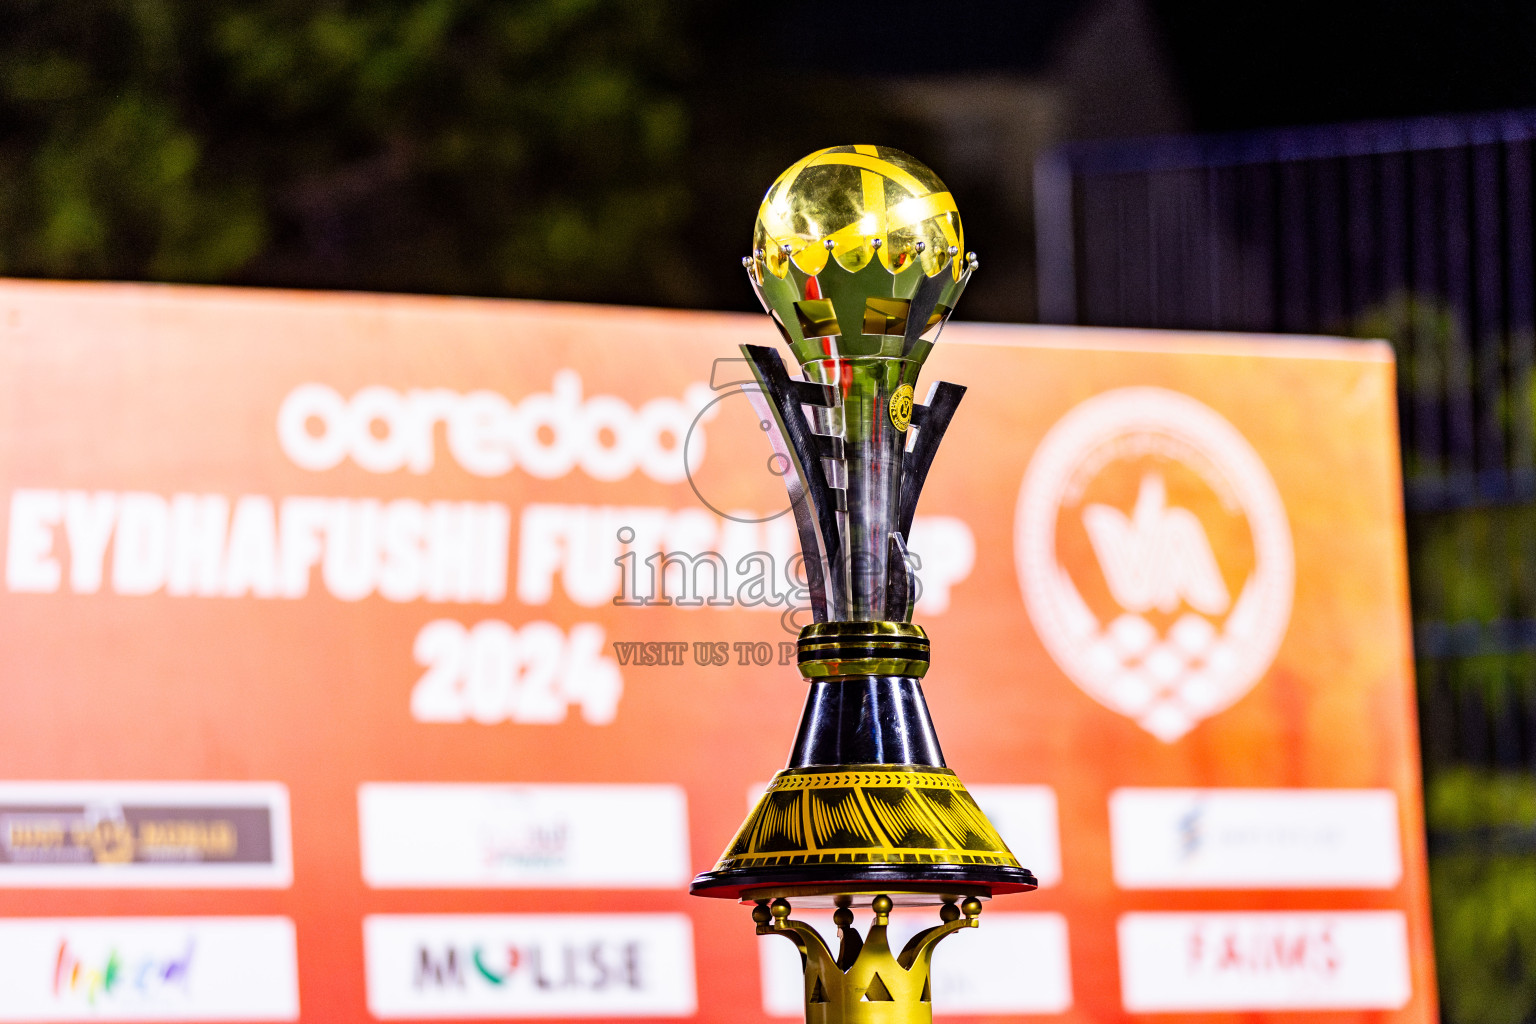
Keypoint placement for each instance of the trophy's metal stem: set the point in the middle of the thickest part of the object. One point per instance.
(852, 482)
(873, 448)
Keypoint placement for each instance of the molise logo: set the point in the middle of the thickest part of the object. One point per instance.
(1196, 571)
(529, 965)
(592, 966)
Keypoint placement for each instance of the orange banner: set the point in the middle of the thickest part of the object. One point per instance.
(402, 658)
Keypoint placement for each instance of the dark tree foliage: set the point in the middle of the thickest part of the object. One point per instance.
(480, 146)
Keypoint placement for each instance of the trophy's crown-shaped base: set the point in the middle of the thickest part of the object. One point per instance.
(866, 983)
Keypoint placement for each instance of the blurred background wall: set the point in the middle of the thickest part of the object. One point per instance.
(615, 151)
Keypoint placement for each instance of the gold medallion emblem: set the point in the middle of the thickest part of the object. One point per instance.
(901, 407)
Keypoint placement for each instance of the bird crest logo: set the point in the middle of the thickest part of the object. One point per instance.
(1155, 558)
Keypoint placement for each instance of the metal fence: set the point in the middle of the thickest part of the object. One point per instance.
(1419, 231)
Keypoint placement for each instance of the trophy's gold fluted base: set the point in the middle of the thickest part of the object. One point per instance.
(908, 830)
(865, 983)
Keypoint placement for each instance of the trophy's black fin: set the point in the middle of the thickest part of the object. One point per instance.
(931, 420)
(815, 501)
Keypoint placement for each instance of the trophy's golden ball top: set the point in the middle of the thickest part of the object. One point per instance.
(856, 204)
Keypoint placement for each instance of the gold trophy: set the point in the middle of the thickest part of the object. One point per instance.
(858, 256)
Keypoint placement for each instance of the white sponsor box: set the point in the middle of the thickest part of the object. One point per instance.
(1025, 816)
(148, 968)
(1255, 838)
(529, 965)
(1013, 963)
(111, 835)
(1345, 960)
(547, 836)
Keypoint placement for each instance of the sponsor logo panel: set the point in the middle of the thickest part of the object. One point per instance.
(1013, 963)
(548, 836)
(144, 834)
(529, 965)
(1196, 571)
(1255, 838)
(148, 968)
(1348, 960)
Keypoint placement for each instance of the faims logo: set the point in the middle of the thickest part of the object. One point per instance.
(581, 966)
(1294, 951)
(1155, 557)
(118, 977)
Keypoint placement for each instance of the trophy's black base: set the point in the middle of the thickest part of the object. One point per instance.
(937, 879)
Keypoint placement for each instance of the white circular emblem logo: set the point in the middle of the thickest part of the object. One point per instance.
(1141, 514)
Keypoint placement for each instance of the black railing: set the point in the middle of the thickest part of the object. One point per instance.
(1479, 710)
(1418, 231)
